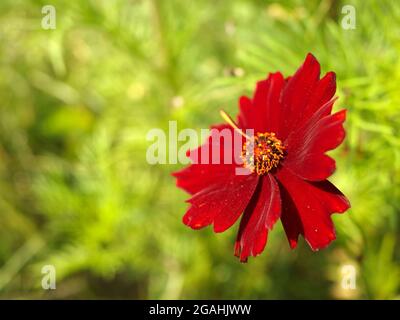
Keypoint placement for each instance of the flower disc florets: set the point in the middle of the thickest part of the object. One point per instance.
(263, 153)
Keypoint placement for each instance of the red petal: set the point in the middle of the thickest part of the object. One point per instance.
(297, 93)
(221, 204)
(197, 177)
(260, 215)
(308, 213)
(246, 113)
(220, 195)
(324, 92)
(307, 145)
(273, 112)
(262, 113)
(290, 218)
(202, 173)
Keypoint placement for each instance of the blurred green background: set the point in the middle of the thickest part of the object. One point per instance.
(77, 102)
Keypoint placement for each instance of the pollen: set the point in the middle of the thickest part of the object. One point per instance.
(263, 153)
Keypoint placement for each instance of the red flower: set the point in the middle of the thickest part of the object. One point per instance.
(286, 163)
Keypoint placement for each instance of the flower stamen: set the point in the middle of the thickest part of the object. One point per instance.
(263, 153)
(232, 123)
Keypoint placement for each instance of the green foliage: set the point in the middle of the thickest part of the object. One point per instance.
(77, 102)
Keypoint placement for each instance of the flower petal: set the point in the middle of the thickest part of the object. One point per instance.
(221, 204)
(323, 92)
(307, 145)
(247, 113)
(309, 211)
(262, 113)
(197, 177)
(220, 194)
(259, 217)
(214, 161)
(274, 110)
(290, 218)
(297, 94)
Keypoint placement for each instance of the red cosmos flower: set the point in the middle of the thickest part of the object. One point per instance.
(286, 163)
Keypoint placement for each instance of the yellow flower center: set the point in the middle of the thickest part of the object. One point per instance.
(263, 153)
